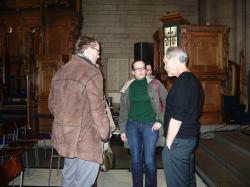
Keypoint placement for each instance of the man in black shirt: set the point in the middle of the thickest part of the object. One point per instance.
(183, 109)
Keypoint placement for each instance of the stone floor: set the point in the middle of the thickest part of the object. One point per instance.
(222, 159)
(112, 178)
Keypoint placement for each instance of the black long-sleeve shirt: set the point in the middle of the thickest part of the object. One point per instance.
(184, 103)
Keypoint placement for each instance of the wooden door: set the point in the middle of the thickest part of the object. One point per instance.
(47, 67)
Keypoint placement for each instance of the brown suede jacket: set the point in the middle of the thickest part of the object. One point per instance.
(76, 102)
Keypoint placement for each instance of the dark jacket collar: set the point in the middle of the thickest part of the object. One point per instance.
(85, 59)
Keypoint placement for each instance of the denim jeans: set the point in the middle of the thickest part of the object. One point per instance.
(142, 142)
(178, 162)
(79, 173)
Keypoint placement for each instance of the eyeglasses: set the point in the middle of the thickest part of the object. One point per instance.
(97, 50)
(139, 69)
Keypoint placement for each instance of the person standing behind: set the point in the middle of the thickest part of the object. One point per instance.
(149, 71)
(183, 109)
(141, 118)
(80, 121)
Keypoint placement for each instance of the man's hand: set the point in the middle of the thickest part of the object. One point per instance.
(156, 126)
(124, 137)
(168, 144)
(173, 129)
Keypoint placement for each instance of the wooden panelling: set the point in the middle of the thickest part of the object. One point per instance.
(47, 66)
(16, 26)
(40, 34)
(212, 101)
(202, 45)
(207, 48)
(58, 30)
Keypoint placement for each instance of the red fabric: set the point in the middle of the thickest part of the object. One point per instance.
(159, 94)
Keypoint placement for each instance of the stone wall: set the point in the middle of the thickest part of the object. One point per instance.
(235, 14)
(223, 12)
(118, 24)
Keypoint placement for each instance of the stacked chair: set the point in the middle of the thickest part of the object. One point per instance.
(11, 168)
(10, 128)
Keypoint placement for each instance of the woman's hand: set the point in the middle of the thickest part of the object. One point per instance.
(156, 126)
(124, 137)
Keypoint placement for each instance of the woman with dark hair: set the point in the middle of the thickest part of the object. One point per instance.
(141, 117)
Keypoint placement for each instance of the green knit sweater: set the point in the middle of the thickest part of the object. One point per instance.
(140, 104)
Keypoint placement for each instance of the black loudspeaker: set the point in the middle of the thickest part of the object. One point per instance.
(144, 51)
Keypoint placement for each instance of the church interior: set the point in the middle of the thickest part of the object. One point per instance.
(37, 37)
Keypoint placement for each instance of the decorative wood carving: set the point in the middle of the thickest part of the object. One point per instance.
(207, 47)
(47, 66)
(47, 29)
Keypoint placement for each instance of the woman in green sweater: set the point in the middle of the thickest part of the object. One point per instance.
(142, 107)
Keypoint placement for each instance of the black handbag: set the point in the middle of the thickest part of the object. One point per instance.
(108, 159)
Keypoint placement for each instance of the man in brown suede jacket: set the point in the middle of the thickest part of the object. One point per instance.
(80, 121)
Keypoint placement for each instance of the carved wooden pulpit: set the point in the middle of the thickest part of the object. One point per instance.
(207, 48)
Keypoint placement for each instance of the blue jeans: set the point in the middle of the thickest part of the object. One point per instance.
(178, 162)
(142, 142)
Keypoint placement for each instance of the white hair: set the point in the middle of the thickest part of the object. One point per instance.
(177, 52)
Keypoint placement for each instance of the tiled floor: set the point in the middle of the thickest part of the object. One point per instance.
(112, 178)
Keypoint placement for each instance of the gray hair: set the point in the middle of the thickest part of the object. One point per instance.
(177, 52)
(83, 42)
